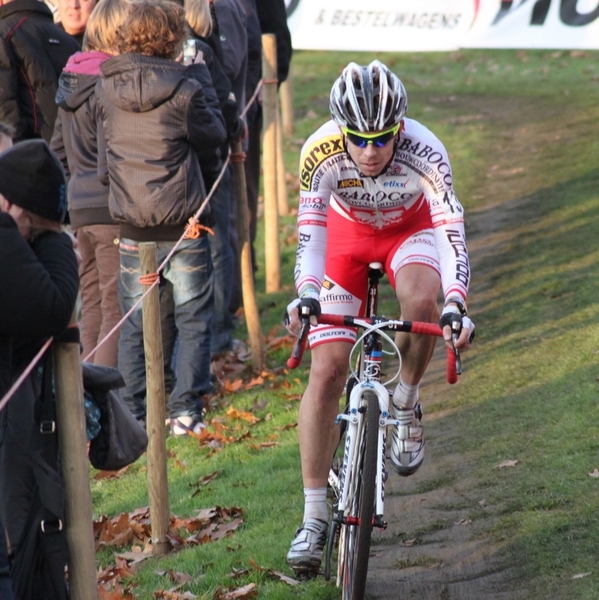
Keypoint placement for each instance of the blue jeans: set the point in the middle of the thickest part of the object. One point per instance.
(223, 260)
(190, 273)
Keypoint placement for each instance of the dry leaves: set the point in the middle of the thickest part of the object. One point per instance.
(507, 463)
(134, 528)
(595, 473)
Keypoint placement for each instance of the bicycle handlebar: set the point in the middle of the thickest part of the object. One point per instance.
(417, 327)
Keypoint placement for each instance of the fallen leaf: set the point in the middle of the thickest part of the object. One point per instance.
(408, 543)
(464, 522)
(581, 575)
(243, 593)
(507, 463)
(595, 473)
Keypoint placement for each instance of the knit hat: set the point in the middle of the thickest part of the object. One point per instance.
(32, 177)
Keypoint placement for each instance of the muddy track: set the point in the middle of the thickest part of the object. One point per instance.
(436, 546)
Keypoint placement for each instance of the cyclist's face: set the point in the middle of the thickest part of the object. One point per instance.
(371, 159)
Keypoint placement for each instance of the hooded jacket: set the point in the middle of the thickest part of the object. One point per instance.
(75, 139)
(33, 52)
(156, 123)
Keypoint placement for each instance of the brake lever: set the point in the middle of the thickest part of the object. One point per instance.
(455, 334)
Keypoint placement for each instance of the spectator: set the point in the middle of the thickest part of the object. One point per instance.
(6, 133)
(75, 140)
(157, 123)
(273, 19)
(39, 285)
(73, 16)
(33, 52)
(223, 246)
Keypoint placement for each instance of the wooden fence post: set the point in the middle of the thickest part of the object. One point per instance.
(156, 409)
(282, 197)
(72, 441)
(287, 116)
(250, 306)
(269, 150)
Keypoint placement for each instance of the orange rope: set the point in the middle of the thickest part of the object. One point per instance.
(149, 278)
(237, 157)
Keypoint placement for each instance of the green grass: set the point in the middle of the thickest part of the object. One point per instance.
(520, 127)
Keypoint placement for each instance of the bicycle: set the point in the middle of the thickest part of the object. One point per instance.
(359, 483)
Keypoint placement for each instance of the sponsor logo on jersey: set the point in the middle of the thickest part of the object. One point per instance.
(395, 171)
(315, 154)
(336, 298)
(347, 183)
(327, 284)
(396, 184)
(426, 160)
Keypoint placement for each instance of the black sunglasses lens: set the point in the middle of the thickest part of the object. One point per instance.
(379, 141)
(357, 140)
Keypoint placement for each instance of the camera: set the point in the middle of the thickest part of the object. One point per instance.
(190, 51)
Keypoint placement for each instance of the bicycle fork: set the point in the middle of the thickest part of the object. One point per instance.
(343, 485)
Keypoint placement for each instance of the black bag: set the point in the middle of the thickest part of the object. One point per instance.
(122, 438)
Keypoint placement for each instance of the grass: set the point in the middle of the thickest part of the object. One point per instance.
(520, 127)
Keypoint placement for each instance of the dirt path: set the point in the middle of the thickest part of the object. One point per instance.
(433, 549)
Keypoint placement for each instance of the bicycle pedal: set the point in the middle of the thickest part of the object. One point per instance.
(302, 574)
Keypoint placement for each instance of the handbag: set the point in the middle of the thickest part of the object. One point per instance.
(122, 439)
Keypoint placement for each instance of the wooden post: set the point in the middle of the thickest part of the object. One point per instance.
(282, 198)
(72, 441)
(286, 89)
(156, 409)
(250, 306)
(269, 161)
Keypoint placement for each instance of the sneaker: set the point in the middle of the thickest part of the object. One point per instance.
(307, 546)
(180, 426)
(407, 443)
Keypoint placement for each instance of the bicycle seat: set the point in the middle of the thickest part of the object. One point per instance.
(377, 269)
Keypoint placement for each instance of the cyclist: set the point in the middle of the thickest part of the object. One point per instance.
(375, 187)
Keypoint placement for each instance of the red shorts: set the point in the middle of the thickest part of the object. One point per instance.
(351, 247)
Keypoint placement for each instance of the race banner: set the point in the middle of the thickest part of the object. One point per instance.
(433, 25)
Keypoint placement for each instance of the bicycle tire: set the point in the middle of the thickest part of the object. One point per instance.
(355, 554)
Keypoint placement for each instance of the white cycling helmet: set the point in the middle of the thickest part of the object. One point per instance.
(368, 98)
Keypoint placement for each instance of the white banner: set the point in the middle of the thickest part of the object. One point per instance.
(423, 25)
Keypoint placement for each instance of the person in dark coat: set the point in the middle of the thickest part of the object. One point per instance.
(75, 141)
(273, 19)
(33, 52)
(39, 284)
(159, 125)
(223, 245)
(73, 16)
(6, 133)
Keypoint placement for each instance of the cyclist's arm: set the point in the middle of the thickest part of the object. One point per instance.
(317, 180)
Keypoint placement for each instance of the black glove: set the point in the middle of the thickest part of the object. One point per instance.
(312, 305)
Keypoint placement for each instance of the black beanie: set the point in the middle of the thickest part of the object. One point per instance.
(32, 177)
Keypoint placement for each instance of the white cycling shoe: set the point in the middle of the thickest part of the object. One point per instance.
(307, 546)
(407, 443)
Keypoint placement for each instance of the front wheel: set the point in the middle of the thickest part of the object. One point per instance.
(354, 541)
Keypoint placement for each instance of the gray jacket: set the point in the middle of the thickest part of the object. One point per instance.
(156, 123)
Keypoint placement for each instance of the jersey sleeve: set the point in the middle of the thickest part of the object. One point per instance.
(316, 181)
(447, 217)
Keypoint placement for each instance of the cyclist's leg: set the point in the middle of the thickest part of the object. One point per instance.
(417, 283)
(318, 438)
(417, 287)
(318, 434)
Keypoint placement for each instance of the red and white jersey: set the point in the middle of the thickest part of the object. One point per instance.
(418, 178)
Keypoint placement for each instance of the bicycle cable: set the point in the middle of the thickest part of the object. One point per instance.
(367, 329)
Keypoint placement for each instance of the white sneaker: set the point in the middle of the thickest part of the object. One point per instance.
(307, 546)
(180, 426)
(407, 443)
